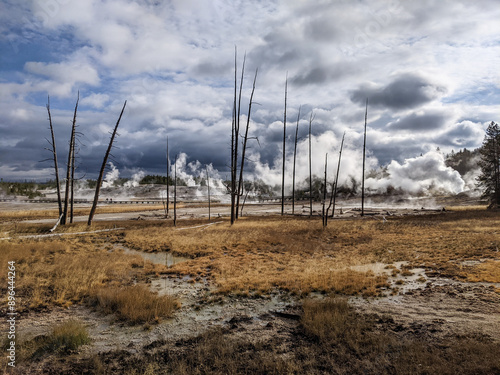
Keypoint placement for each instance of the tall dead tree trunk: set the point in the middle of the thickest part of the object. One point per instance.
(54, 155)
(284, 142)
(234, 140)
(243, 205)
(311, 118)
(364, 157)
(294, 162)
(175, 190)
(103, 167)
(324, 213)
(168, 182)
(68, 169)
(334, 193)
(244, 148)
(72, 198)
(208, 191)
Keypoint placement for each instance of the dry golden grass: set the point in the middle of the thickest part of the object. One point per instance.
(260, 255)
(295, 254)
(18, 215)
(135, 304)
(64, 338)
(67, 271)
(489, 272)
(466, 208)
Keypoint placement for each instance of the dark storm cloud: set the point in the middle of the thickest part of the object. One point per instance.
(464, 134)
(321, 74)
(418, 122)
(406, 91)
(386, 152)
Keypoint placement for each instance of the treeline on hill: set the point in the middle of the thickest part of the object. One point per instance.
(29, 189)
(463, 161)
(162, 180)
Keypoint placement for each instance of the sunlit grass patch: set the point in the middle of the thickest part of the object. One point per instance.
(295, 254)
(488, 271)
(64, 272)
(135, 304)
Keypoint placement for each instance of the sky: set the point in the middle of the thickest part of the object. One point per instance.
(429, 70)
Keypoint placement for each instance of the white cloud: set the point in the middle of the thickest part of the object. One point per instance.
(173, 61)
(95, 100)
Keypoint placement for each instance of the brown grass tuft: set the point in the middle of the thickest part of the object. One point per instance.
(135, 304)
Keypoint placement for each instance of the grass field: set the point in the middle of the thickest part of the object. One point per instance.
(258, 257)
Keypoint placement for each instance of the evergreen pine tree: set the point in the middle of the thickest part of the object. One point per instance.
(489, 179)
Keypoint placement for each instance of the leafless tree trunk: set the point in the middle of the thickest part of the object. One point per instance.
(72, 199)
(244, 200)
(324, 213)
(54, 154)
(284, 142)
(243, 151)
(208, 187)
(234, 141)
(168, 174)
(294, 162)
(69, 168)
(311, 118)
(334, 193)
(101, 173)
(175, 190)
(364, 157)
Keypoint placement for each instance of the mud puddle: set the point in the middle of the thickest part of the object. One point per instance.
(163, 258)
(400, 278)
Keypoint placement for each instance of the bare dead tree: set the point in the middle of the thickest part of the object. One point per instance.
(244, 148)
(54, 155)
(234, 141)
(69, 165)
(103, 167)
(311, 118)
(284, 142)
(336, 183)
(364, 157)
(324, 215)
(168, 182)
(244, 200)
(208, 191)
(175, 190)
(294, 162)
(73, 167)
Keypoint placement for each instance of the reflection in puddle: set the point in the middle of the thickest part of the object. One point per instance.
(167, 259)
